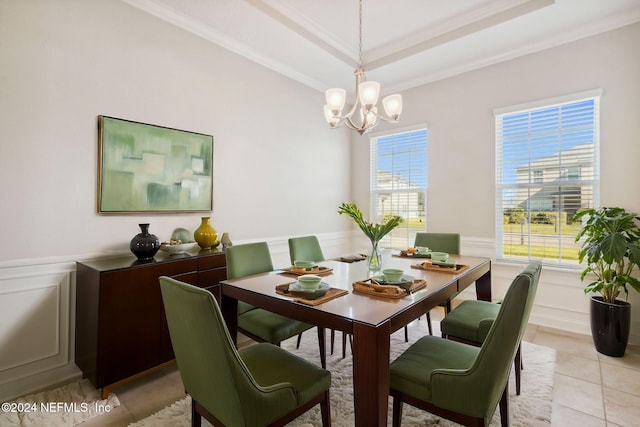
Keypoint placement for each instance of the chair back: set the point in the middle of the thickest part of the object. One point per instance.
(211, 369)
(484, 383)
(305, 249)
(439, 242)
(248, 259)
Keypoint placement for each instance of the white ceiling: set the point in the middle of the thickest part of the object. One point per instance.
(406, 43)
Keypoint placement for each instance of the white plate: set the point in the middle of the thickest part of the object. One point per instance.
(295, 286)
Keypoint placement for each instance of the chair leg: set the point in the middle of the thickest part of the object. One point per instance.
(429, 323)
(504, 406)
(321, 344)
(196, 419)
(333, 337)
(344, 344)
(325, 410)
(397, 410)
(517, 362)
(299, 339)
(406, 334)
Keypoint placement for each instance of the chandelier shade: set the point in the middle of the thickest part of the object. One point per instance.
(366, 98)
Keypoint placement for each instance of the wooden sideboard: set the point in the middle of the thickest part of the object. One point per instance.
(121, 328)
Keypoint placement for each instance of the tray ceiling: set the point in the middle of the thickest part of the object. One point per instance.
(406, 43)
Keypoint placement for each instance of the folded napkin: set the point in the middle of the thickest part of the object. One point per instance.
(318, 270)
(385, 291)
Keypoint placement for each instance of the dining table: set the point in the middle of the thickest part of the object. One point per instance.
(370, 318)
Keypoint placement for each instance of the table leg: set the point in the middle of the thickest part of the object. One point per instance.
(371, 373)
(483, 287)
(229, 307)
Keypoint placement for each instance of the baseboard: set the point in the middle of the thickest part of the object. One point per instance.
(40, 381)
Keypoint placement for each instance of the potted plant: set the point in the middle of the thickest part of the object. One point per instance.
(611, 248)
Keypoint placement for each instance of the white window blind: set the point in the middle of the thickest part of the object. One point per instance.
(546, 170)
(399, 183)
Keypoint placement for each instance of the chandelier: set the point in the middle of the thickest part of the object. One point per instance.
(366, 98)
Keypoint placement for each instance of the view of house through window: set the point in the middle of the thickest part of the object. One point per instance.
(399, 183)
(547, 170)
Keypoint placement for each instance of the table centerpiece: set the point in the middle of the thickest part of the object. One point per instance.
(375, 232)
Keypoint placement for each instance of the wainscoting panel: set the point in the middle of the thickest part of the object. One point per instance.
(35, 323)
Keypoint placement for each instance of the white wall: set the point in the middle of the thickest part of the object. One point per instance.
(459, 115)
(276, 162)
(279, 170)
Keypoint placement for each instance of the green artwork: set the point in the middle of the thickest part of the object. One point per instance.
(147, 168)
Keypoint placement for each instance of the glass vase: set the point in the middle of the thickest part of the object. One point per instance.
(375, 258)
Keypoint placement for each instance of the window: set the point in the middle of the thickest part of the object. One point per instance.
(399, 183)
(546, 170)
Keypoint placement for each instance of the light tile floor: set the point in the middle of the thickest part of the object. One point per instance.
(590, 389)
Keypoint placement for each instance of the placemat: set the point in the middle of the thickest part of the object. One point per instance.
(427, 265)
(387, 291)
(318, 270)
(332, 293)
(404, 254)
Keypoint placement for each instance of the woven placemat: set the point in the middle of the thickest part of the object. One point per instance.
(427, 265)
(331, 293)
(318, 270)
(387, 291)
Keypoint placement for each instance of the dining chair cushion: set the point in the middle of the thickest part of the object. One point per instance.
(269, 326)
(305, 248)
(471, 320)
(452, 354)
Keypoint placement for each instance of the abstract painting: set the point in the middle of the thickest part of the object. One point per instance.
(150, 168)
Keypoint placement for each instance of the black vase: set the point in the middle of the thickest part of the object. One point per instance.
(144, 245)
(610, 326)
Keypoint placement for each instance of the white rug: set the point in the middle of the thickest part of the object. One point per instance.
(532, 408)
(64, 406)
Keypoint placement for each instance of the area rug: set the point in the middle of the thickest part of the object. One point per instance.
(65, 406)
(531, 409)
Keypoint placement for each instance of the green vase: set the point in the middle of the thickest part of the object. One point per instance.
(206, 235)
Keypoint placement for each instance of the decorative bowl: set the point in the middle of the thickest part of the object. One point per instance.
(303, 264)
(309, 282)
(439, 256)
(392, 274)
(176, 249)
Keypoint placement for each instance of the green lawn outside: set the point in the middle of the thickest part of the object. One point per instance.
(568, 254)
(567, 229)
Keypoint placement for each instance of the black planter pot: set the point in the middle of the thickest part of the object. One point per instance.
(610, 324)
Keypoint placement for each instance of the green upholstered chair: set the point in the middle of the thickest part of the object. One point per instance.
(305, 248)
(257, 323)
(308, 248)
(470, 323)
(258, 385)
(439, 242)
(461, 382)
